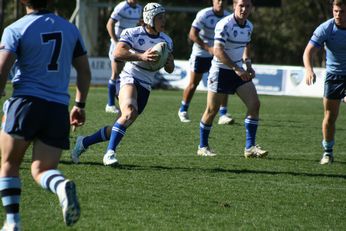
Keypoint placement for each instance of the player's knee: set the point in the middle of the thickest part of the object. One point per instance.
(255, 106)
(210, 112)
(330, 117)
(129, 115)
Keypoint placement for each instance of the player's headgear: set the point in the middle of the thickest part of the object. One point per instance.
(150, 11)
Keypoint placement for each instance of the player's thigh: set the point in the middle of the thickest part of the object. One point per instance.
(214, 101)
(248, 94)
(44, 157)
(195, 78)
(213, 104)
(331, 108)
(12, 152)
(128, 97)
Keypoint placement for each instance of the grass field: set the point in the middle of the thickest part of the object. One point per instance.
(163, 185)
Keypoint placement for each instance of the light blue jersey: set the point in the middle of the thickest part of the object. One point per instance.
(140, 41)
(205, 23)
(43, 72)
(234, 38)
(334, 39)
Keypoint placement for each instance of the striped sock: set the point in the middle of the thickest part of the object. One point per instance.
(97, 137)
(184, 106)
(51, 179)
(222, 111)
(118, 131)
(328, 146)
(10, 188)
(204, 131)
(251, 130)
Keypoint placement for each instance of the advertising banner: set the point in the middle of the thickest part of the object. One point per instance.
(270, 79)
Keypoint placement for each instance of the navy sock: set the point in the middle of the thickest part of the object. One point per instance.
(204, 131)
(111, 92)
(251, 130)
(97, 137)
(118, 131)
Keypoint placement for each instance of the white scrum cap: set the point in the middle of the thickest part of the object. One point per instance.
(150, 11)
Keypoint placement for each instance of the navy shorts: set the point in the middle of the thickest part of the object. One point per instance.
(200, 64)
(224, 81)
(142, 92)
(35, 118)
(142, 97)
(335, 86)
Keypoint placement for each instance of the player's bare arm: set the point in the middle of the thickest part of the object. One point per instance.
(247, 61)
(169, 67)
(7, 60)
(110, 28)
(219, 52)
(77, 114)
(194, 37)
(310, 51)
(123, 52)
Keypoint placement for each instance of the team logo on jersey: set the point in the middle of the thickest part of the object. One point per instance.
(130, 12)
(141, 42)
(212, 21)
(235, 33)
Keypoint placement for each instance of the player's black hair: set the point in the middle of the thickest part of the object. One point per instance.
(35, 4)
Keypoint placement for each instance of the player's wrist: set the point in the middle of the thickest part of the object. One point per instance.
(236, 69)
(80, 105)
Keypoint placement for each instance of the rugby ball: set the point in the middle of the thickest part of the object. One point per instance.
(163, 52)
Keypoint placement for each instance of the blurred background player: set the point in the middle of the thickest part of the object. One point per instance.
(331, 35)
(43, 46)
(202, 35)
(227, 76)
(126, 14)
(134, 47)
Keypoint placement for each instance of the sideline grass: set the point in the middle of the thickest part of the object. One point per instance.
(163, 185)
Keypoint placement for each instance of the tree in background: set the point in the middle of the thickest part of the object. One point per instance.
(279, 37)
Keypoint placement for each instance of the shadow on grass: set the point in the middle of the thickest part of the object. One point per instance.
(132, 167)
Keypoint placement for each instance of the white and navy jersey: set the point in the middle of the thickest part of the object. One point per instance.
(205, 23)
(234, 38)
(126, 16)
(334, 40)
(140, 41)
(45, 45)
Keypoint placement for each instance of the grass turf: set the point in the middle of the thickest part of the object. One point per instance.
(163, 185)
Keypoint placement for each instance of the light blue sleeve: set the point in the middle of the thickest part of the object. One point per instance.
(10, 39)
(320, 35)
